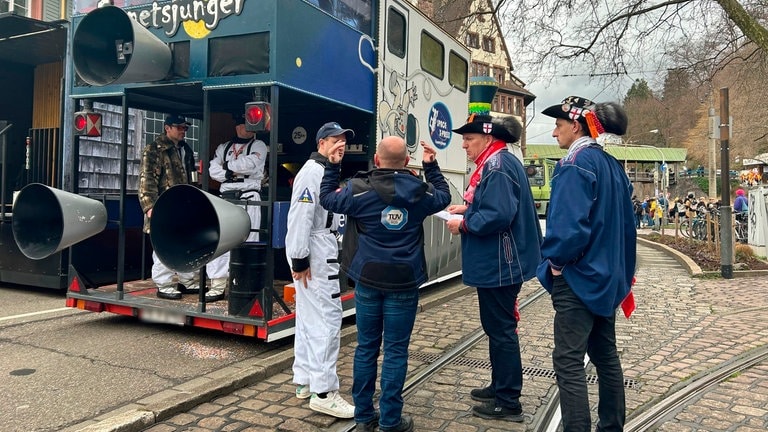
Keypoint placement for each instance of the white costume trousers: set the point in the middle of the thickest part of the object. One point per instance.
(163, 276)
(318, 318)
(254, 212)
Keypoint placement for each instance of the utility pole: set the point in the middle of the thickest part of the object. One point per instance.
(726, 216)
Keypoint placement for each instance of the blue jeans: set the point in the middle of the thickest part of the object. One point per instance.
(499, 316)
(579, 331)
(387, 315)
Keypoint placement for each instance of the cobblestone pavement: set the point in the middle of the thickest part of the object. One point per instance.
(682, 327)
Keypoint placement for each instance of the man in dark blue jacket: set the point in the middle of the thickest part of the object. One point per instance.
(588, 260)
(500, 239)
(383, 252)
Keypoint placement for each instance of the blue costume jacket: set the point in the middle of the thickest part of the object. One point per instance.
(383, 245)
(500, 233)
(591, 233)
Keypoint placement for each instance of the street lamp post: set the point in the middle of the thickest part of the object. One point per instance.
(628, 141)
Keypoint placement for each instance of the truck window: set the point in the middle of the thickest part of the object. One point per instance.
(242, 54)
(457, 71)
(432, 55)
(354, 13)
(396, 33)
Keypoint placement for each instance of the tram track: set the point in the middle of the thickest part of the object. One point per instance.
(547, 417)
(657, 414)
(421, 376)
(448, 358)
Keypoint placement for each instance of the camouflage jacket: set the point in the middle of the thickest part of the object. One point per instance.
(161, 168)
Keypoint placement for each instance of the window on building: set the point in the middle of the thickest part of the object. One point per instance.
(19, 7)
(489, 44)
(473, 40)
(432, 55)
(480, 69)
(498, 73)
(495, 104)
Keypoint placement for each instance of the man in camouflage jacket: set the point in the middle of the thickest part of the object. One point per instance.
(166, 162)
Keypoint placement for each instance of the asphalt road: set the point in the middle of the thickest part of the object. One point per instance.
(64, 366)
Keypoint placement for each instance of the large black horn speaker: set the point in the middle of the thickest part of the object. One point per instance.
(47, 220)
(190, 227)
(109, 47)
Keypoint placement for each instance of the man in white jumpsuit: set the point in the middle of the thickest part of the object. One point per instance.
(238, 165)
(312, 251)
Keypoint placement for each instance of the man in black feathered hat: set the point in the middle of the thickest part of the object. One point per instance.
(500, 239)
(592, 119)
(588, 259)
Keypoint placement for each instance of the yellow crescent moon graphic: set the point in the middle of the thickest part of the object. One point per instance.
(196, 29)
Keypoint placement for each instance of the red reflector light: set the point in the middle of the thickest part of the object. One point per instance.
(254, 114)
(94, 306)
(75, 285)
(80, 122)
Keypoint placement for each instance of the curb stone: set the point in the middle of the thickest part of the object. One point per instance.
(690, 266)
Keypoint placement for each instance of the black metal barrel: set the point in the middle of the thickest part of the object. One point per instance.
(247, 264)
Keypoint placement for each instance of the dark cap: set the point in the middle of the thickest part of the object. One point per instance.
(176, 119)
(332, 129)
(507, 130)
(571, 108)
(239, 119)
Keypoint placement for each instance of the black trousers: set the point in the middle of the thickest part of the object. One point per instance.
(499, 316)
(577, 332)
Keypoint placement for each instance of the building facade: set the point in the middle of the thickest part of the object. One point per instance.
(474, 23)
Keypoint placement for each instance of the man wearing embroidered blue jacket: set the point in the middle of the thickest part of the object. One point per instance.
(500, 239)
(588, 260)
(384, 254)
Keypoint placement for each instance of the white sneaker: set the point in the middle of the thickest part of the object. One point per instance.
(168, 292)
(302, 391)
(333, 405)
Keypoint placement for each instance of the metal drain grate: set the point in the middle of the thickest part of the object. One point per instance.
(532, 372)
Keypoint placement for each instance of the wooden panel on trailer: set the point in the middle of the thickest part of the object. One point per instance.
(47, 96)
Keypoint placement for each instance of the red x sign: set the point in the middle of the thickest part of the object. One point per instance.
(93, 125)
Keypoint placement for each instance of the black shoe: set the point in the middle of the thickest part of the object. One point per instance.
(368, 426)
(184, 290)
(492, 412)
(213, 296)
(486, 394)
(406, 425)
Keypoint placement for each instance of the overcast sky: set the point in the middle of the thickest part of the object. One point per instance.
(539, 128)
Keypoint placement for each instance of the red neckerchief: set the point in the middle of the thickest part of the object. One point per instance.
(492, 149)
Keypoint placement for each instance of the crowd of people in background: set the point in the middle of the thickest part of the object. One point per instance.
(697, 217)
(654, 211)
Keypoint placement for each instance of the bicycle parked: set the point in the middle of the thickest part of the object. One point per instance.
(741, 227)
(696, 227)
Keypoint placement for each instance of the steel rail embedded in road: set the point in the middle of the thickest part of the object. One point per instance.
(654, 416)
(420, 377)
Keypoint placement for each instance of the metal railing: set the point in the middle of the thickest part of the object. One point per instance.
(4, 128)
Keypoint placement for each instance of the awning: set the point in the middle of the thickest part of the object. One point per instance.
(29, 41)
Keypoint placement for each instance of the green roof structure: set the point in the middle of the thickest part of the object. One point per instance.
(628, 153)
